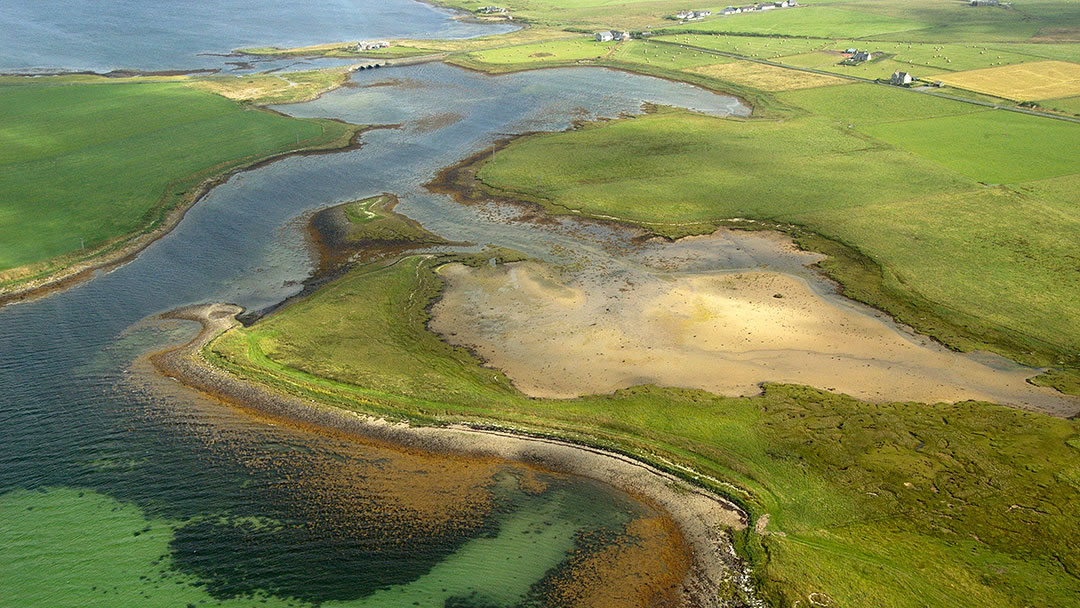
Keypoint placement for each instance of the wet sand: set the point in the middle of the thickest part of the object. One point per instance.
(700, 516)
(565, 334)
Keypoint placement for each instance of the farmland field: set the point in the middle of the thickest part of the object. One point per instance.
(767, 77)
(536, 54)
(1028, 81)
(968, 143)
(812, 21)
(87, 165)
(1067, 104)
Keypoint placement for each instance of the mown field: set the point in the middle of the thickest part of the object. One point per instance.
(893, 505)
(896, 176)
(88, 165)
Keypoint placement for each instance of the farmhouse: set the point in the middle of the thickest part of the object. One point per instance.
(731, 10)
(691, 15)
(901, 78)
(862, 56)
(604, 36)
(371, 46)
(985, 2)
(491, 10)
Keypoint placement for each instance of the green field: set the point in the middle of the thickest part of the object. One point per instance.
(763, 47)
(923, 518)
(91, 165)
(812, 21)
(1019, 144)
(519, 57)
(1065, 104)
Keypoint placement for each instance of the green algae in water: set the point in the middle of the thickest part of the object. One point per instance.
(67, 547)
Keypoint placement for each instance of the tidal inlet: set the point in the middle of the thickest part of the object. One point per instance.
(545, 304)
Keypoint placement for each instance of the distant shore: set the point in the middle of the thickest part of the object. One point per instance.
(702, 517)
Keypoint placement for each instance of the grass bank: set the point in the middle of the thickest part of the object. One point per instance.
(91, 170)
(895, 504)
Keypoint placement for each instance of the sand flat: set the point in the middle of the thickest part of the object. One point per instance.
(725, 332)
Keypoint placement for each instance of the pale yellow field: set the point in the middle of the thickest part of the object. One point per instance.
(766, 77)
(1021, 82)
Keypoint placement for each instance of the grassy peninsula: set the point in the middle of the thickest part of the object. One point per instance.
(89, 164)
(894, 504)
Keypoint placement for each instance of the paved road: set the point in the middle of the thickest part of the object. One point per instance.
(922, 91)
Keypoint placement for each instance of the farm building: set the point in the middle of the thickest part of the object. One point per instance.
(605, 36)
(491, 10)
(371, 46)
(901, 78)
(731, 10)
(862, 56)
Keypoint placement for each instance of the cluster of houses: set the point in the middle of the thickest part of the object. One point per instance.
(371, 46)
(492, 10)
(752, 8)
(608, 36)
(691, 15)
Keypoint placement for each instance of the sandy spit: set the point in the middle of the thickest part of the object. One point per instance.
(702, 517)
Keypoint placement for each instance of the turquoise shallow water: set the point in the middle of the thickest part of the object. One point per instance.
(114, 495)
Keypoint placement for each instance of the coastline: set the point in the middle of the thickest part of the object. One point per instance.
(701, 517)
(125, 249)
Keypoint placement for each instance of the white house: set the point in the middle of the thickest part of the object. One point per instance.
(901, 78)
(605, 36)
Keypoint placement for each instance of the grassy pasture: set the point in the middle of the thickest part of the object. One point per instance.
(870, 104)
(96, 163)
(767, 77)
(898, 505)
(668, 57)
(992, 147)
(264, 89)
(809, 21)
(525, 56)
(750, 46)
(1066, 104)
(1029, 81)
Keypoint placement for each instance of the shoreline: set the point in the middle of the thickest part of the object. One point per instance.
(702, 518)
(126, 248)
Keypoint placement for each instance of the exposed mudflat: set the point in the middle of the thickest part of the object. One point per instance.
(561, 333)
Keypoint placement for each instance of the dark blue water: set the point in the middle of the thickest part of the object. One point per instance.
(103, 35)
